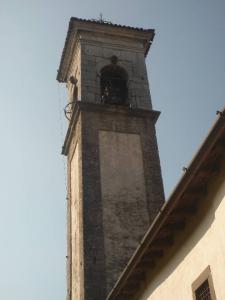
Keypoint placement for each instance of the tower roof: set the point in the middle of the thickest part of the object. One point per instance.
(101, 26)
(107, 23)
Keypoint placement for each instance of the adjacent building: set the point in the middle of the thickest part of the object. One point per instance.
(182, 254)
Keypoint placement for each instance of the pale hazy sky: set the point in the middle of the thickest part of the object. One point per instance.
(186, 67)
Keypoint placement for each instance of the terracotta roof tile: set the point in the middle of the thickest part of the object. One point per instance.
(108, 23)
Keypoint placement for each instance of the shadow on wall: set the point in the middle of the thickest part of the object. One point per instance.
(196, 228)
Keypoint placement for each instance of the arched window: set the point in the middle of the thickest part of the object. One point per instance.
(114, 85)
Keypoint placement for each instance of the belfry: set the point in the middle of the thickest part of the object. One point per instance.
(114, 174)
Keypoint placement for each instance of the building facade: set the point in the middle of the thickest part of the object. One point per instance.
(114, 175)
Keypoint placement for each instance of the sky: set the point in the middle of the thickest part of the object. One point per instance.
(186, 67)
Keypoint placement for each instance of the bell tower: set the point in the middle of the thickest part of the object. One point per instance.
(114, 175)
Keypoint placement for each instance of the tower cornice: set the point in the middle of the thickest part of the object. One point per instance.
(104, 109)
(77, 25)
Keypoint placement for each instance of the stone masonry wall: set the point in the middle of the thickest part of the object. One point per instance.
(95, 53)
(102, 262)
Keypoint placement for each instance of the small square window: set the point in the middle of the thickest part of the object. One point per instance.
(203, 291)
(202, 287)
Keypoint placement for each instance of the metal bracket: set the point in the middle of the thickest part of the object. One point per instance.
(68, 110)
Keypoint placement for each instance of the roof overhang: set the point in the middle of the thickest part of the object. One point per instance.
(172, 218)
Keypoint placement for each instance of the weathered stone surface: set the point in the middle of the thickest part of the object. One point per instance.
(123, 198)
(94, 51)
(114, 176)
(116, 208)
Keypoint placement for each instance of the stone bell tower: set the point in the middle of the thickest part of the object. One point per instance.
(114, 174)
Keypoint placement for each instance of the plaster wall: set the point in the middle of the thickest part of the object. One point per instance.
(201, 245)
(123, 195)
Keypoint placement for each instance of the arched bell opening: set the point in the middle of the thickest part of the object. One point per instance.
(114, 85)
